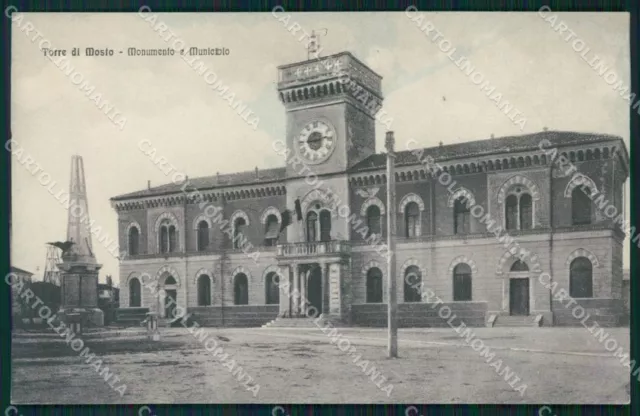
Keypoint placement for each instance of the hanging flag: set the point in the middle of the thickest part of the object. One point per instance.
(286, 216)
(298, 209)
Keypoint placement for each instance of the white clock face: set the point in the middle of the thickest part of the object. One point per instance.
(316, 141)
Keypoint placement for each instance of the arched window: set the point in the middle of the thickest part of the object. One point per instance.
(164, 239)
(412, 284)
(172, 239)
(134, 237)
(272, 230)
(204, 290)
(240, 290)
(170, 280)
(374, 285)
(134, 293)
(461, 216)
(312, 224)
(412, 220)
(581, 278)
(373, 220)
(518, 210)
(325, 225)
(203, 235)
(580, 206)
(511, 212)
(238, 232)
(271, 288)
(462, 282)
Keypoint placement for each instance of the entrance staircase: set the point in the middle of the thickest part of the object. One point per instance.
(515, 321)
(302, 322)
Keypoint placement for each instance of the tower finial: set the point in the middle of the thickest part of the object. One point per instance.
(313, 48)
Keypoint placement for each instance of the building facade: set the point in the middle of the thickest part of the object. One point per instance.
(19, 307)
(223, 254)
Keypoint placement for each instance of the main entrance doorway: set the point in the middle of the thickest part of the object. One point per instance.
(519, 296)
(314, 289)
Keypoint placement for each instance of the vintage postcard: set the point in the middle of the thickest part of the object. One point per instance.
(401, 207)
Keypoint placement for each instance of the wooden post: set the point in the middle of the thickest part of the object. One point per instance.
(392, 301)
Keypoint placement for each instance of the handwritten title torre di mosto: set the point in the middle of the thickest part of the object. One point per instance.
(234, 254)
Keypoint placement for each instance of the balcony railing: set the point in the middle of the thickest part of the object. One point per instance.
(314, 248)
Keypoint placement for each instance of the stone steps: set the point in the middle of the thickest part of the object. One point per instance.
(300, 322)
(516, 321)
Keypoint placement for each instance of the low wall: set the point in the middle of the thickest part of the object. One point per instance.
(234, 316)
(416, 315)
(606, 312)
(130, 316)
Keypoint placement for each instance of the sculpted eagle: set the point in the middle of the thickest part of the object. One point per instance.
(64, 246)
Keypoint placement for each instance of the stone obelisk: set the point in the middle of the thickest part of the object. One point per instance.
(79, 268)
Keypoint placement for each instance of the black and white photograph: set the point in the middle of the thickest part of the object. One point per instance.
(285, 207)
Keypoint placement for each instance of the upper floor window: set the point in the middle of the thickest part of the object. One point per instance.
(319, 225)
(272, 230)
(581, 278)
(518, 210)
(239, 227)
(134, 241)
(203, 235)
(580, 206)
(325, 225)
(172, 238)
(374, 220)
(168, 237)
(412, 219)
(312, 225)
(461, 216)
(164, 239)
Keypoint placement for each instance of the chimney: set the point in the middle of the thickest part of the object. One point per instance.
(545, 128)
(389, 142)
(218, 177)
(440, 143)
(492, 135)
(257, 172)
(149, 184)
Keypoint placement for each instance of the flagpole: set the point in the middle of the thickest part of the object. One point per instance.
(392, 301)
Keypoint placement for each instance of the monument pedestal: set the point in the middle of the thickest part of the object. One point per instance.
(79, 283)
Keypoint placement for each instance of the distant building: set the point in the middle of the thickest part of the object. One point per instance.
(16, 304)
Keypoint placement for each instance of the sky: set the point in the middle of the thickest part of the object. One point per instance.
(427, 97)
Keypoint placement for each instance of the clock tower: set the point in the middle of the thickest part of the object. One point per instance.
(331, 104)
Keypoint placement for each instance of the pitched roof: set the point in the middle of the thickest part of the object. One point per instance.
(18, 270)
(484, 147)
(210, 182)
(379, 160)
